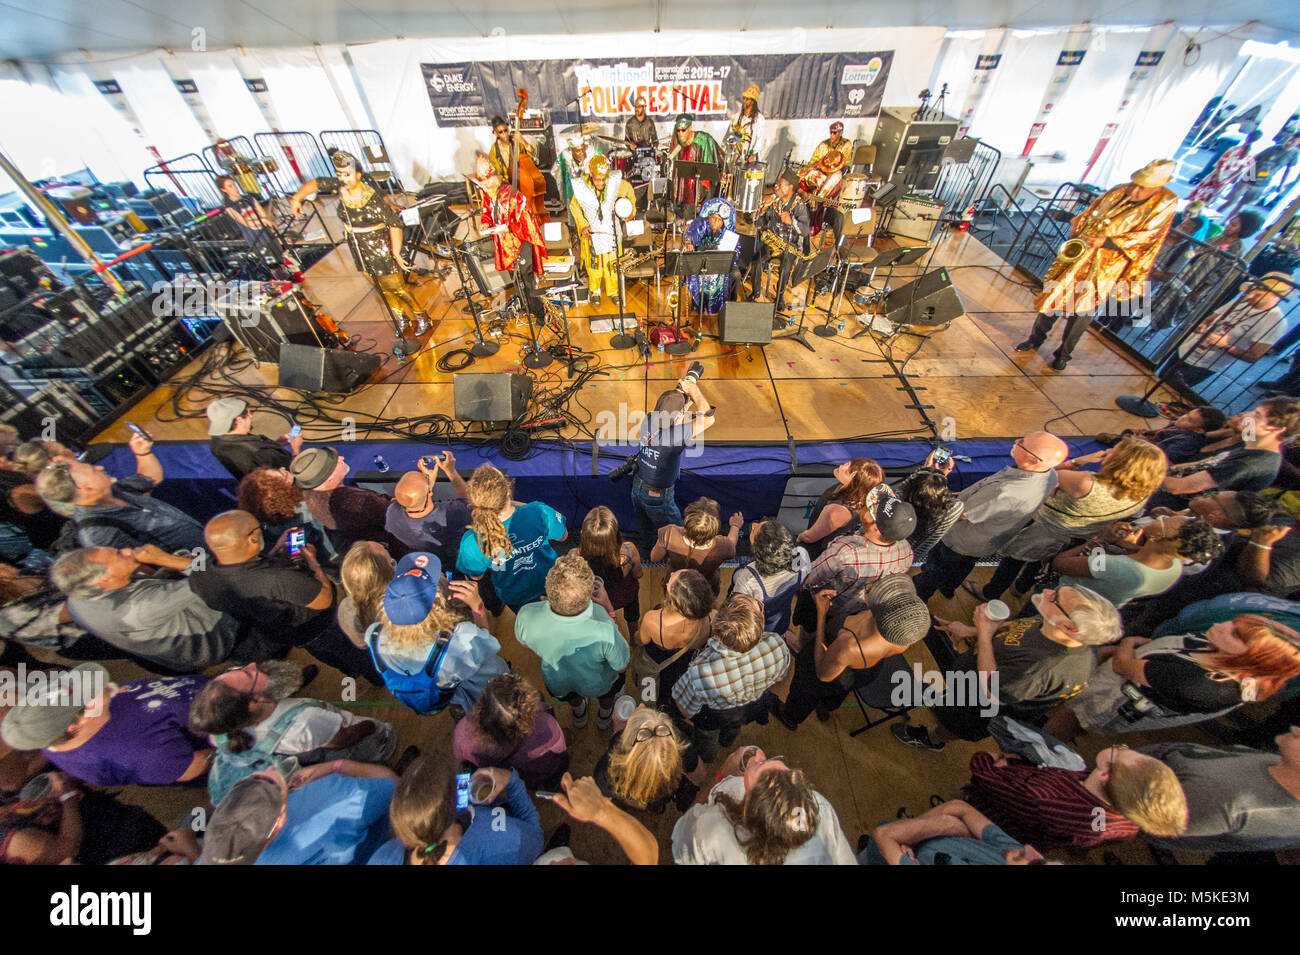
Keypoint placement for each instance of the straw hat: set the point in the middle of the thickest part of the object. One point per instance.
(1154, 174)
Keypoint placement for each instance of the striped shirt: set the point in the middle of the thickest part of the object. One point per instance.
(723, 679)
(1044, 806)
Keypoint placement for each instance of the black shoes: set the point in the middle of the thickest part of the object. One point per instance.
(1059, 363)
(1028, 345)
(917, 736)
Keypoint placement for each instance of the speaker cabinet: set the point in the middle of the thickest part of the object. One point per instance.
(746, 323)
(930, 300)
(313, 368)
(490, 397)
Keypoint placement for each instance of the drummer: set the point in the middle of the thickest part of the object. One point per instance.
(640, 128)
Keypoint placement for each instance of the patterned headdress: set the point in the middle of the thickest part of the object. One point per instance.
(751, 92)
(721, 207)
(683, 121)
(598, 166)
(344, 160)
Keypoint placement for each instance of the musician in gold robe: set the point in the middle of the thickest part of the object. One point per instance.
(592, 207)
(1112, 246)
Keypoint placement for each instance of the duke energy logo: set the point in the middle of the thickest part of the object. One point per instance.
(858, 75)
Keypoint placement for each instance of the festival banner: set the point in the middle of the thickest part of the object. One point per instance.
(1067, 67)
(792, 86)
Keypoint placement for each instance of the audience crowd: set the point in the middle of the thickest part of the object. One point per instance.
(1151, 586)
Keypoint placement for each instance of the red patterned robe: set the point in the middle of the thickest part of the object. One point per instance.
(511, 208)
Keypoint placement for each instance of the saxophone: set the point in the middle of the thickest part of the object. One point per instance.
(779, 246)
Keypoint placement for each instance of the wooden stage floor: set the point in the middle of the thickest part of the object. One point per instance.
(969, 372)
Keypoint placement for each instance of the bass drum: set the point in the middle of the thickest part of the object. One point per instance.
(853, 192)
(621, 159)
(749, 195)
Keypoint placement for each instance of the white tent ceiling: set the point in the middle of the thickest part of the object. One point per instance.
(44, 29)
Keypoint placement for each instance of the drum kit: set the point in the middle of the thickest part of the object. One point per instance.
(636, 165)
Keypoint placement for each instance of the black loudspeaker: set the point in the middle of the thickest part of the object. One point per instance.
(313, 368)
(746, 323)
(490, 397)
(930, 300)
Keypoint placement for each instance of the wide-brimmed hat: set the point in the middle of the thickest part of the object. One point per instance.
(312, 467)
(1154, 174)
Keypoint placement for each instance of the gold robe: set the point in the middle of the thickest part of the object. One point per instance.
(1138, 230)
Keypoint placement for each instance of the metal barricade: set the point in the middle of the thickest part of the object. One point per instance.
(295, 158)
(1046, 227)
(188, 178)
(966, 185)
(368, 146)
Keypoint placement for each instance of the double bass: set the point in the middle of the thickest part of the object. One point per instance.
(527, 178)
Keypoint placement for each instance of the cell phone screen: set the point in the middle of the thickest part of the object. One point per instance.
(941, 455)
(297, 537)
(462, 791)
(295, 431)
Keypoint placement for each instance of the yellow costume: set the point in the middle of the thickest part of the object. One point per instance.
(845, 149)
(1134, 232)
(595, 211)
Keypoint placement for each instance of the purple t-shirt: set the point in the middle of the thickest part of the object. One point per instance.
(147, 740)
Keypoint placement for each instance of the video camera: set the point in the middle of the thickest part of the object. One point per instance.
(693, 374)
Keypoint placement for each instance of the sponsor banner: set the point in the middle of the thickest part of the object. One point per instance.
(1067, 66)
(803, 86)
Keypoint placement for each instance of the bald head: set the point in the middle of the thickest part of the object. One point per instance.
(234, 536)
(1039, 451)
(412, 490)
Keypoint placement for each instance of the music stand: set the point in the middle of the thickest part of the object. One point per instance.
(893, 257)
(804, 271)
(679, 264)
(849, 234)
(699, 171)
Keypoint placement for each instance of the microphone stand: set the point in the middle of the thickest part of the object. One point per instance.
(622, 339)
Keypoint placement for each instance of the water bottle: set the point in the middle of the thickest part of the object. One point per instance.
(841, 325)
(661, 345)
(380, 464)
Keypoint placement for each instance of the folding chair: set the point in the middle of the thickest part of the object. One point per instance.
(880, 691)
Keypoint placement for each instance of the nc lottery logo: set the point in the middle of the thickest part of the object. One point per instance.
(860, 75)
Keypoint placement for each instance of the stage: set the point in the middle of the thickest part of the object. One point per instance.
(978, 387)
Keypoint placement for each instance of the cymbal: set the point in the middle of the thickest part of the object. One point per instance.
(582, 129)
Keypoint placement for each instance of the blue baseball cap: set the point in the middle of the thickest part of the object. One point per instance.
(414, 588)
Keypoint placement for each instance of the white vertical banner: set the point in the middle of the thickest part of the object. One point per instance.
(986, 61)
(1067, 67)
(189, 90)
(111, 90)
(1143, 67)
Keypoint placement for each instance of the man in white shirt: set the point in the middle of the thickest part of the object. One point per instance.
(1241, 331)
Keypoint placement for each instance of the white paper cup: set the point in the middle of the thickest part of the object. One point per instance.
(997, 610)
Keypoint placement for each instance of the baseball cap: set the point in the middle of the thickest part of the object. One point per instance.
(222, 414)
(312, 467)
(243, 825)
(35, 724)
(414, 588)
(900, 614)
(895, 518)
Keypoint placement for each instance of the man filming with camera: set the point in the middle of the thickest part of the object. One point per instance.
(680, 416)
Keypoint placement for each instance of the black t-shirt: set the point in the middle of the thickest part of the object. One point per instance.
(1035, 673)
(1283, 565)
(1236, 469)
(1179, 445)
(659, 461)
(438, 532)
(1179, 684)
(270, 594)
(242, 454)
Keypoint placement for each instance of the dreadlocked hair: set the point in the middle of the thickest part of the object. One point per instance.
(489, 494)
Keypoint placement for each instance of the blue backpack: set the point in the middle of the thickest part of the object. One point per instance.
(420, 691)
(776, 606)
(229, 768)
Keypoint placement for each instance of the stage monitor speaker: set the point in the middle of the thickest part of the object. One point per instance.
(498, 396)
(746, 323)
(930, 300)
(313, 368)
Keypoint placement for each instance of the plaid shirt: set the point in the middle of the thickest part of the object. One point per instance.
(723, 679)
(851, 564)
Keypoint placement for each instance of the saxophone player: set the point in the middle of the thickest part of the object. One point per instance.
(785, 215)
(1112, 246)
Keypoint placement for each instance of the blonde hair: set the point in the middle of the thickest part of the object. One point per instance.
(600, 542)
(32, 456)
(365, 574)
(569, 584)
(644, 772)
(739, 625)
(1150, 795)
(700, 521)
(418, 637)
(489, 494)
(1134, 469)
